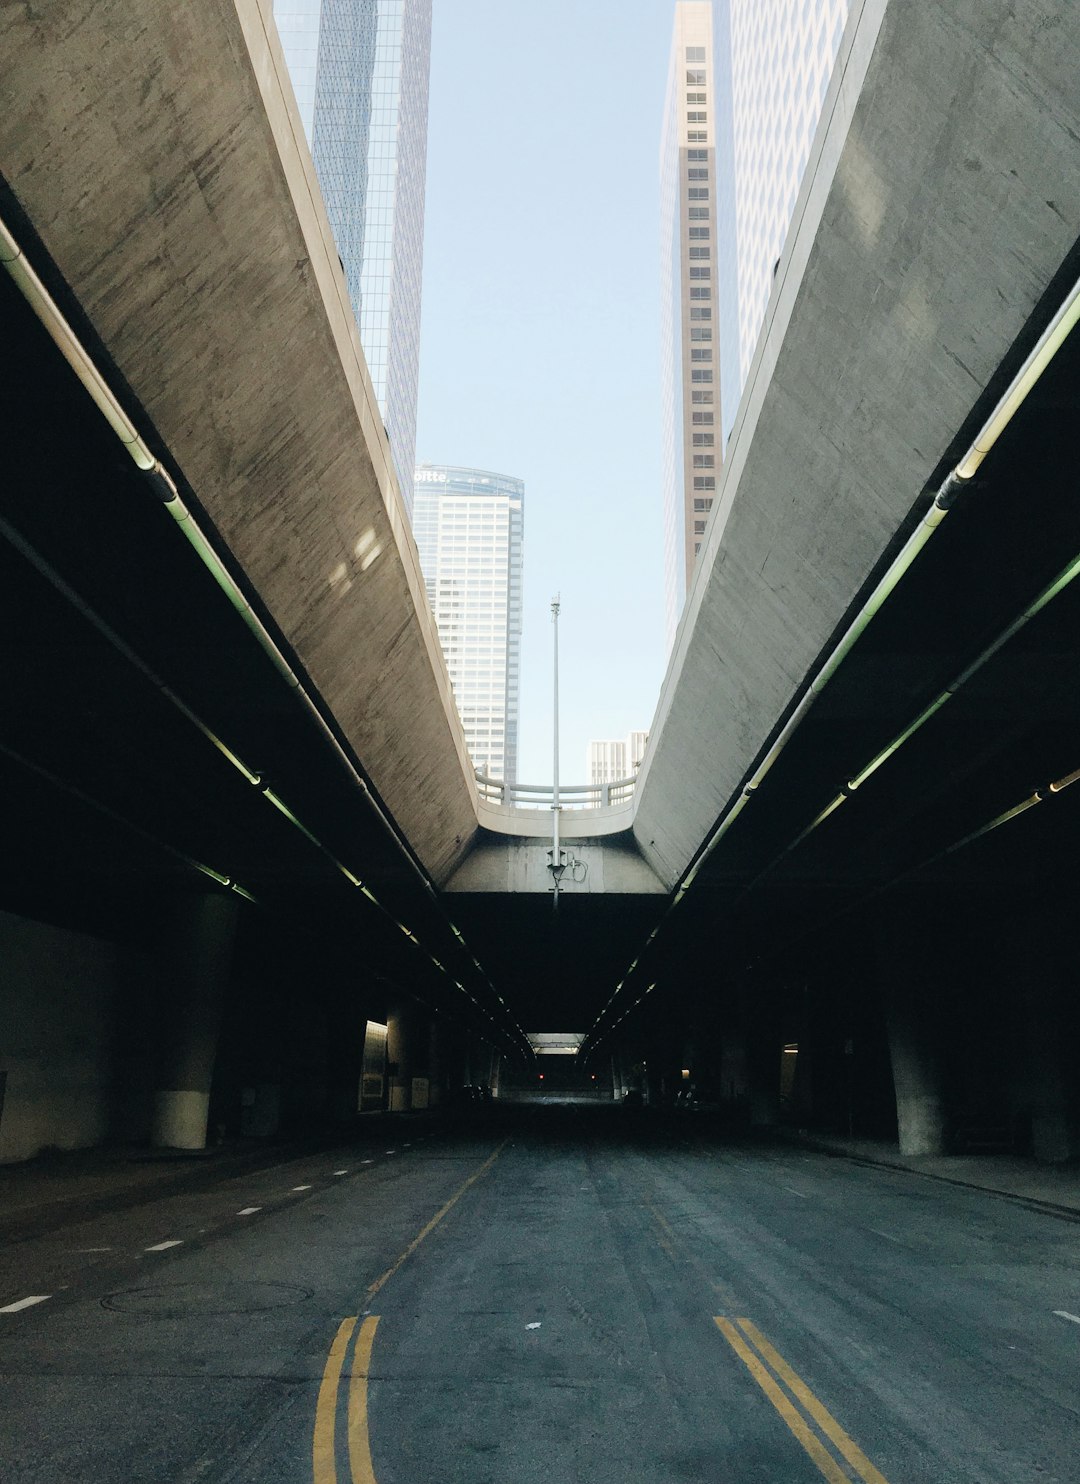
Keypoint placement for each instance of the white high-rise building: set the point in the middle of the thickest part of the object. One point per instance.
(612, 759)
(359, 69)
(469, 529)
(743, 137)
(689, 347)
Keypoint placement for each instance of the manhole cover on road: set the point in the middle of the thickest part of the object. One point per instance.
(179, 1300)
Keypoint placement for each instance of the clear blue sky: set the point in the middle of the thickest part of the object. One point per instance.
(539, 346)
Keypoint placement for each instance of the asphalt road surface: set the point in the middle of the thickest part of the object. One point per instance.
(565, 1296)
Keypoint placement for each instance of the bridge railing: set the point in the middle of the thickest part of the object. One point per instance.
(540, 796)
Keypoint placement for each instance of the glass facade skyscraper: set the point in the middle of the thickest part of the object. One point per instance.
(469, 529)
(360, 69)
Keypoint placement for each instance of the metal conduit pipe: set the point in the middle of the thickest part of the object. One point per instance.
(73, 791)
(71, 348)
(1041, 795)
(1035, 363)
(67, 342)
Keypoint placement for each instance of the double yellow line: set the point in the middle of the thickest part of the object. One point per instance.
(323, 1445)
(768, 1369)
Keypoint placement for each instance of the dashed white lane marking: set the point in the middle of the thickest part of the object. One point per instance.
(389, 1151)
(163, 1246)
(1064, 1314)
(367, 1161)
(887, 1235)
(797, 1192)
(93, 1249)
(25, 1303)
(341, 1172)
(249, 1211)
(301, 1187)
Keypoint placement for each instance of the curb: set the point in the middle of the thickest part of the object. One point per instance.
(178, 1173)
(1033, 1203)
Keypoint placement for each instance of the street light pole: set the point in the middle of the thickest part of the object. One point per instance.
(557, 865)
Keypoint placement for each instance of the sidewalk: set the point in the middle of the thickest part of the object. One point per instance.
(1050, 1187)
(41, 1194)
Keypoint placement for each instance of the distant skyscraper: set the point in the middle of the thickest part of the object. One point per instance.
(359, 69)
(469, 528)
(612, 759)
(690, 365)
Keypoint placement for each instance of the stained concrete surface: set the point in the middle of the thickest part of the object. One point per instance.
(159, 154)
(558, 1322)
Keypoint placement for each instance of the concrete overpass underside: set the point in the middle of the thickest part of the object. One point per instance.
(934, 238)
(159, 159)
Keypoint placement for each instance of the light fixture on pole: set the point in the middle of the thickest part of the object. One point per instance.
(557, 862)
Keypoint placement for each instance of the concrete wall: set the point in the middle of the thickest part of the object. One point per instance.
(57, 992)
(939, 202)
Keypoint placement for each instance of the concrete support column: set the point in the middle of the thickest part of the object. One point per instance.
(916, 1069)
(733, 1085)
(763, 1049)
(346, 1026)
(912, 983)
(1041, 959)
(400, 1049)
(453, 1053)
(196, 955)
(803, 1087)
(1055, 1138)
(481, 1062)
(435, 1065)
